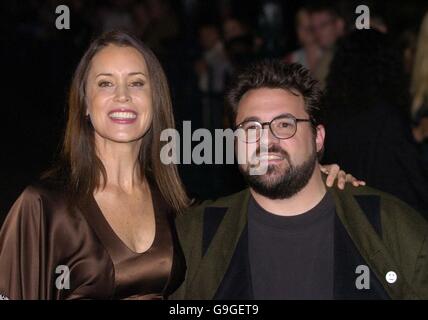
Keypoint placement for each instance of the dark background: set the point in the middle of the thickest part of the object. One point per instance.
(38, 61)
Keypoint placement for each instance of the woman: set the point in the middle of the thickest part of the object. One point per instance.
(101, 224)
(106, 212)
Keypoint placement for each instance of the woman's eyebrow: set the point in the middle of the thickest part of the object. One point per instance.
(103, 74)
(129, 74)
(136, 73)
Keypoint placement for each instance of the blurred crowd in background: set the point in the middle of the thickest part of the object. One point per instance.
(376, 80)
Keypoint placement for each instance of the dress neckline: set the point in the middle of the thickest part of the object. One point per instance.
(108, 230)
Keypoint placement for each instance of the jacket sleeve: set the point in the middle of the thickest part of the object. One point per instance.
(420, 280)
(406, 235)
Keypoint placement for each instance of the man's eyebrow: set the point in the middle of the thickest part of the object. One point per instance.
(252, 118)
(286, 114)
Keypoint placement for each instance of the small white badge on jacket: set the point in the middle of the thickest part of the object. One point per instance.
(391, 277)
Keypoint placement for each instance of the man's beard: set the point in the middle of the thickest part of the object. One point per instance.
(283, 185)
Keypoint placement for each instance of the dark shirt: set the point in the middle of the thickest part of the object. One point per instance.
(292, 257)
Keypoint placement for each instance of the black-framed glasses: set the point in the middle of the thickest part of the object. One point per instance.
(282, 127)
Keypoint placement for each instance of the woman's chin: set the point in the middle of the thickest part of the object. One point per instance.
(122, 138)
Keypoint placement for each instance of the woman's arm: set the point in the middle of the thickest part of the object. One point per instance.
(22, 249)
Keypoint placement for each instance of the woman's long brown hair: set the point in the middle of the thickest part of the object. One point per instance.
(79, 165)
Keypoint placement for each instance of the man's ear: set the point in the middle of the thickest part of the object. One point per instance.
(320, 137)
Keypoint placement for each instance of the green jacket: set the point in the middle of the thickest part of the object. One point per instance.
(372, 228)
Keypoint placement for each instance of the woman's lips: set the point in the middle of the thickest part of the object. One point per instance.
(122, 116)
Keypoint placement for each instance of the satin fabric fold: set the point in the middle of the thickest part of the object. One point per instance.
(43, 233)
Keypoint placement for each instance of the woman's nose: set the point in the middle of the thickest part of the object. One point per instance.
(122, 94)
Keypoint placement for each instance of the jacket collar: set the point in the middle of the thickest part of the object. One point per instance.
(216, 261)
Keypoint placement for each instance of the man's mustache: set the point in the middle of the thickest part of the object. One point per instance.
(272, 149)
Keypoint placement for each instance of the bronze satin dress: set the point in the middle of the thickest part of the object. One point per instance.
(44, 232)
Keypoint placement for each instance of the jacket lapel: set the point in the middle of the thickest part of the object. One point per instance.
(346, 260)
(237, 283)
(215, 263)
(356, 241)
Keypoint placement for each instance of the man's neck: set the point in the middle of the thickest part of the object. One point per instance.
(301, 202)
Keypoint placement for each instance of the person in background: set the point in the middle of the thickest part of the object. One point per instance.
(212, 70)
(328, 26)
(407, 44)
(270, 27)
(310, 52)
(114, 15)
(163, 27)
(242, 45)
(419, 89)
(233, 28)
(367, 118)
(141, 17)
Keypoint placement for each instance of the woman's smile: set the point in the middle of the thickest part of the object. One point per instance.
(123, 116)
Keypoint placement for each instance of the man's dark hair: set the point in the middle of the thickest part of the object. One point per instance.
(324, 6)
(275, 74)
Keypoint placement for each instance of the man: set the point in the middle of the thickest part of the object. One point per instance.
(212, 71)
(310, 52)
(328, 26)
(287, 236)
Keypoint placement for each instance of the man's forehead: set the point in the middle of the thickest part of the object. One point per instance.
(265, 102)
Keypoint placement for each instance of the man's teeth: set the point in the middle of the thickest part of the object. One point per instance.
(270, 157)
(123, 115)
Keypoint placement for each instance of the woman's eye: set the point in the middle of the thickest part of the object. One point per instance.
(103, 84)
(137, 84)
